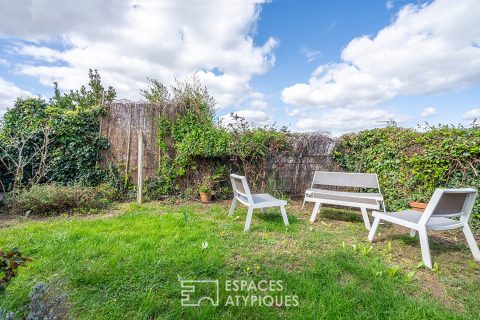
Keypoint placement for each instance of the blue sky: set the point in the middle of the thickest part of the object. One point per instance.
(334, 66)
(320, 27)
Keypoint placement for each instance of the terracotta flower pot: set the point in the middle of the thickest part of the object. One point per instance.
(418, 206)
(205, 197)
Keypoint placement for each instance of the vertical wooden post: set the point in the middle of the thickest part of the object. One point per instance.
(140, 167)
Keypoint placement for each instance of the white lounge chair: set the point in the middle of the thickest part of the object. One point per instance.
(361, 200)
(253, 201)
(444, 205)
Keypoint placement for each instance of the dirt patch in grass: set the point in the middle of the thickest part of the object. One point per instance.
(431, 285)
(7, 219)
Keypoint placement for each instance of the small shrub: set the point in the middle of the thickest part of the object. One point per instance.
(120, 185)
(107, 193)
(6, 315)
(51, 199)
(152, 189)
(9, 263)
(47, 302)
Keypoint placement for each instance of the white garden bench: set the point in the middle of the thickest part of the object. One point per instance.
(361, 200)
(242, 194)
(444, 205)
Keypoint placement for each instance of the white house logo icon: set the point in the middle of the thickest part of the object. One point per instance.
(197, 292)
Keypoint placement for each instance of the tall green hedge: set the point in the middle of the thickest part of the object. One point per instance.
(73, 123)
(412, 163)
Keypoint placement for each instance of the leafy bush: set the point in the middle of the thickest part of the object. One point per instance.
(153, 189)
(25, 137)
(75, 117)
(411, 164)
(9, 263)
(54, 141)
(119, 185)
(192, 142)
(193, 137)
(255, 151)
(54, 199)
(195, 145)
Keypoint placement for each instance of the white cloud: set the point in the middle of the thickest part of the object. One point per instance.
(129, 41)
(428, 112)
(389, 4)
(293, 112)
(254, 116)
(39, 53)
(310, 54)
(429, 48)
(337, 85)
(42, 19)
(471, 114)
(9, 92)
(339, 120)
(257, 100)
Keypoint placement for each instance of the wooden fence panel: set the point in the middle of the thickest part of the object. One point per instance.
(291, 171)
(120, 126)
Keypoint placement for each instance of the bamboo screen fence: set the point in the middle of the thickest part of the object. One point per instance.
(291, 171)
(120, 126)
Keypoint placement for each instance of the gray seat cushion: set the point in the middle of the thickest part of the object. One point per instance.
(414, 216)
(263, 197)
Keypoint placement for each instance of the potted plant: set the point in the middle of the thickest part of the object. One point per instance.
(205, 189)
(418, 200)
(418, 206)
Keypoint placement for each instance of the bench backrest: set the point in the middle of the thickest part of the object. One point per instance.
(240, 188)
(346, 179)
(450, 202)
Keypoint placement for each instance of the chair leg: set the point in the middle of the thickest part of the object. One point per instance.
(365, 218)
(284, 215)
(471, 242)
(427, 260)
(413, 233)
(232, 207)
(315, 211)
(374, 228)
(303, 205)
(264, 210)
(249, 219)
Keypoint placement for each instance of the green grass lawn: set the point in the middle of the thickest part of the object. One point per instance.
(128, 265)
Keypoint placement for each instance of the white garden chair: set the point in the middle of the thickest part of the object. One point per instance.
(262, 201)
(444, 205)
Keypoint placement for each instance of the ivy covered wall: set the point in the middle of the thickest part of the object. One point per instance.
(412, 163)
